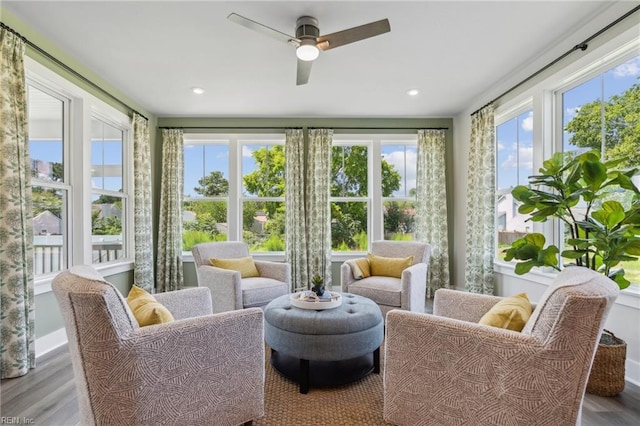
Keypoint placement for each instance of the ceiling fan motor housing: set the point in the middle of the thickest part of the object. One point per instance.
(307, 28)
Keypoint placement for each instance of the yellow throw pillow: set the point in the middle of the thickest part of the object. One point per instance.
(511, 313)
(146, 309)
(244, 265)
(360, 267)
(389, 266)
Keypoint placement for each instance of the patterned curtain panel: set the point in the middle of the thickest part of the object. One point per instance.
(431, 209)
(17, 346)
(143, 247)
(169, 266)
(296, 225)
(318, 213)
(481, 204)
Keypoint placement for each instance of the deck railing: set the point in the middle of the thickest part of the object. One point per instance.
(48, 256)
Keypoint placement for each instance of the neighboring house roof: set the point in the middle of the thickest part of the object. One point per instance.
(107, 210)
(47, 223)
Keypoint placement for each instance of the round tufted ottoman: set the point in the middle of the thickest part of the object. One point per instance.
(328, 347)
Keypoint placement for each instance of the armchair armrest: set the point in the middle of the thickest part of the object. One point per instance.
(220, 357)
(414, 287)
(462, 305)
(187, 303)
(346, 277)
(275, 270)
(226, 291)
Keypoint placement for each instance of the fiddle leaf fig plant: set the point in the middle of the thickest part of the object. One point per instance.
(582, 192)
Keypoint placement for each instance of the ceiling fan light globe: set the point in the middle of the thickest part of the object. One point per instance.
(307, 52)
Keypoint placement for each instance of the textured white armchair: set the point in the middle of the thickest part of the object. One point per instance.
(408, 292)
(194, 370)
(446, 369)
(228, 290)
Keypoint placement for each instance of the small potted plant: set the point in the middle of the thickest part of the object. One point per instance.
(318, 285)
(583, 192)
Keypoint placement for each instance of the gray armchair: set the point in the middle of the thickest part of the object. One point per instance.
(228, 290)
(193, 370)
(447, 369)
(408, 292)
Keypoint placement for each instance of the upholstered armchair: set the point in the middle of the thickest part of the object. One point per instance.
(200, 369)
(447, 369)
(228, 289)
(407, 292)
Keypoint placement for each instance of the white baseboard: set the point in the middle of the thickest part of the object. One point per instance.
(50, 342)
(632, 371)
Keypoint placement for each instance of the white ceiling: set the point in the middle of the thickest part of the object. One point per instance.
(457, 53)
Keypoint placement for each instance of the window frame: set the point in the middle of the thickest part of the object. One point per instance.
(545, 95)
(375, 219)
(126, 195)
(81, 107)
(65, 185)
(235, 199)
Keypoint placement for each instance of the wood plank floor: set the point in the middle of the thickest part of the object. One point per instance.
(47, 396)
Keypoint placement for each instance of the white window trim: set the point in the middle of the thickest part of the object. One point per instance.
(235, 142)
(78, 157)
(375, 220)
(548, 124)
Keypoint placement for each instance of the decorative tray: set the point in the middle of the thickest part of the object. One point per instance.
(309, 300)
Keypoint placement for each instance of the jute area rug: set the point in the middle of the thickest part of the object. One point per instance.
(357, 403)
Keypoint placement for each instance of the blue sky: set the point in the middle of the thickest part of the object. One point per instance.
(514, 138)
(201, 160)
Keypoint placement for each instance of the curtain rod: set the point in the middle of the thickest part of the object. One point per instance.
(580, 46)
(297, 127)
(69, 69)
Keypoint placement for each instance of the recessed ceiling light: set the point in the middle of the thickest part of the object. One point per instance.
(198, 90)
(413, 92)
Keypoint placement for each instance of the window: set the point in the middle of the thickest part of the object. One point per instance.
(603, 113)
(206, 187)
(514, 165)
(108, 200)
(349, 196)
(80, 166)
(263, 185)
(248, 208)
(48, 145)
(398, 167)
(372, 200)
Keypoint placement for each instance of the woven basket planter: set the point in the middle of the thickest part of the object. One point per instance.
(607, 372)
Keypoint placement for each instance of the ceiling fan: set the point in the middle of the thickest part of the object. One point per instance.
(309, 42)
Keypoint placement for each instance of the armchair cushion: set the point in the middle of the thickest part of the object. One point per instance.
(244, 265)
(511, 313)
(389, 266)
(146, 309)
(360, 267)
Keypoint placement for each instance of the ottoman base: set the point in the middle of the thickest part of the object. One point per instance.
(325, 373)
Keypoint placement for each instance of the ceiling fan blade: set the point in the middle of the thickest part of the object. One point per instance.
(304, 70)
(257, 26)
(354, 34)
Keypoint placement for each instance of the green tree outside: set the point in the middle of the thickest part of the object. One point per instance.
(622, 126)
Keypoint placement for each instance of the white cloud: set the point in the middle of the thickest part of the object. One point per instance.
(628, 69)
(572, 112)
(524, 160)
(397, 160)
(246, 152)
(527, 123)
(500, 146)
